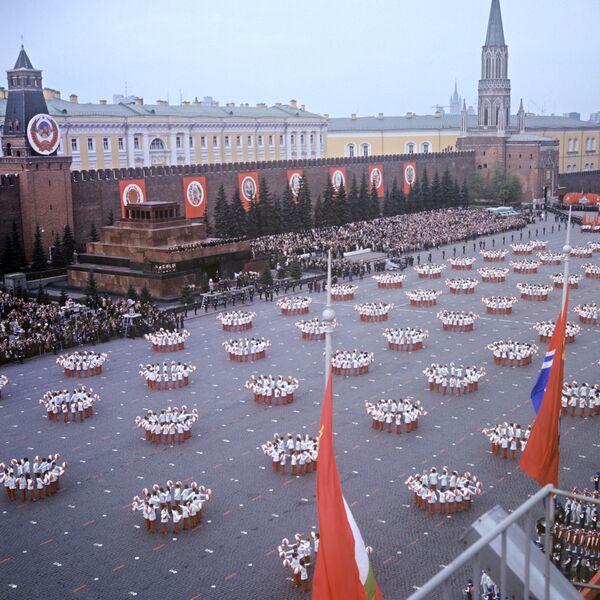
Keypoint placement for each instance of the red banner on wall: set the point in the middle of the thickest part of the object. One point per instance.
(294, 178)
(248, 184)
(410, 176)
(338, 176)
(194, 197)
(132, 191)
(376, 179)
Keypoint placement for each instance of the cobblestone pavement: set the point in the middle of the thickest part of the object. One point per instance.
(87, 543)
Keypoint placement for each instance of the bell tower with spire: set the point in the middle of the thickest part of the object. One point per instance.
(494, 86)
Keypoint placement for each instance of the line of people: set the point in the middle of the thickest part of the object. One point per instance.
(429, 271)
(499, 305)
(545, 330)
(550, 258)
(493, 274)
(166, 376)
(373, 311)
(591, 270)
(462, 263)
(236, 320)
(246, 349)
(343, 291)
(534, 292)
(313, 329)
(465, 285)
(389, 280)
(405, 339)
(559, 280)
(493, 255)
(166, 340)
(457, 320)
(423, 297)
(294, 305)
(525, 266)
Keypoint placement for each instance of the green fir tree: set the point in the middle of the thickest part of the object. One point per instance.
(39, 261)
(68, 244)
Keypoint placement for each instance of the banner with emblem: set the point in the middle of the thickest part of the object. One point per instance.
(376, 179)
(131, 191)
(294, 178)
(194, 197)
(248, 184)
(338, 176)
(410, 176)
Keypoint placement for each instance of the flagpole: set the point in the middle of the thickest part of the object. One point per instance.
(328, 318)
(567, 252)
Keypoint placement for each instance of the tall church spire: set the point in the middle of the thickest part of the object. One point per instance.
(494, 85)
(23, 61)
(495, 32)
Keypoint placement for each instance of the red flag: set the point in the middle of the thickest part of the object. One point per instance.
(194, 197)
(132, 191)
(343, 568)
(541, 455)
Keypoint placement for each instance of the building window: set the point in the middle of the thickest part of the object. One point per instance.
(227, 141)
(271, 141)
(120, 144)
(587, 167)
(74, 145)
(260, 141)
(282, 140)
(320, 138)
(178, 142)
(425, 147)
(238, 140)
(576, 145)
(365, 149)
(292, 139)
(312, 139)
(105, 144)
(302, 138)
(350, 150)
(215, 141)
(203, 141)
(250, 141)
(593, 144)
(90, 145)
(191, 141)
(157, 144)
(136, 143)
(410, 148)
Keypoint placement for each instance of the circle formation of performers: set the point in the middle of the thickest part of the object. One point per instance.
(591, 271)
(236, 320)
(559, 280)
(294, 305)
(442, 491)
(513, 354)
(3, 383)
(165, 340)
(244, 349)
(314, 329)
(545, 330)
(180, 503)
(389, 280)
(373, 311)
(347, 363)
(297, 557)
(588, 313)
(166, 375)
(594, 246)
(507, 438)
(459, 380)
(269, 390)
(405, 340)
(78, 403)
(78, 364)
(494, 255)
(581, 252)
(493, 274)
(550, 258)
(302, 452)
(499, 305)
(457, 320)
(539, 244)
(522, 249)
(344, 291)
(525, 266)
(580, 396)
(537, 292)
(421, 297)
(461, 263)
(429, 271)
(36, 481)
(169, 426)
(389, 415)
(462, 286)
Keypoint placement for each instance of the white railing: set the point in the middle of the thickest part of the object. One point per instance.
(440, 583)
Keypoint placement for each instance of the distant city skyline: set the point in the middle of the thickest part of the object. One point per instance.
(328, 56)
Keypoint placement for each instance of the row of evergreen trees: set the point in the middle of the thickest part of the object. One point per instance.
(271, 214)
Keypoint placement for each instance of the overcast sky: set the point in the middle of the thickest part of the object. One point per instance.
(335, 56)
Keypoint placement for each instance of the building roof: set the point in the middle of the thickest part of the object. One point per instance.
(23, 61)
(64, 108)
(446, 121)
(495, 31)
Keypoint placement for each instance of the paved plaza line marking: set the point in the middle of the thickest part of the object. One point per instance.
(94, 520)
(387, 560)
(118, 568)
(5, 560)
(255, 498)
(46, 542)
(78, 589)
(158, 547)
(230, 576)
(195, 597)
(227, 512)
(270, 552)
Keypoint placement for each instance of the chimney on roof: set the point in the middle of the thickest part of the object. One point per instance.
(303, 107)
(196, 102)
(3, 93)
(380, 116)
(278, 104)
(230, 104)
(353, 116)
(102, 102)
(437, 114)
(51, 94)
(409, 115)
(138, 101)
(185, 103)
(73, 99)
(293, 103)
(162, 103)
(261, 105)
(326, 116)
